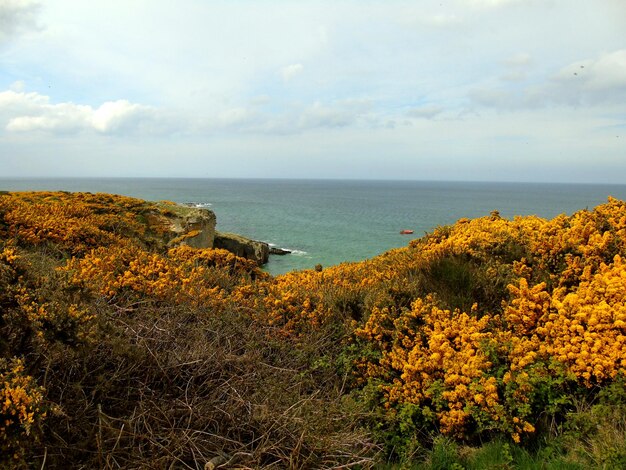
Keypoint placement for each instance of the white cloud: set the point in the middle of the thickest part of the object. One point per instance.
(27, 112)
(443, 20)
(425, 112)
(236, 117)
(114, 116)
(23, 112)
(260, 100)
(492, 3)
(590, 82)
(320, 115)
(437, 20)
(248, 73)
(606, 73)
(17, 16)
(515, 76)
(18, 102)
(17, 86)
(65, 117)
(517, 67)
(291, 71)
(337, 114)
(292, 119)
(519, 60)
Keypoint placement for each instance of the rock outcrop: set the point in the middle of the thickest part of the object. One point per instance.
(242, 246)
(179, 224)
(278, 251)
(182, 225)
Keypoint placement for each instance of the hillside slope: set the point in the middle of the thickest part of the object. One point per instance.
(121, 347)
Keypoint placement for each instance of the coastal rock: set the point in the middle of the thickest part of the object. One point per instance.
(242, 246)
(179, 224)
(278, 251)
(182, 225)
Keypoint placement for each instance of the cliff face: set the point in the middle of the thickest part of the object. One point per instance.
(182, 225)
(242, 246)
(196, 227)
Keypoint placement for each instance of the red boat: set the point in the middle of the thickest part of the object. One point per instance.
(406, 232)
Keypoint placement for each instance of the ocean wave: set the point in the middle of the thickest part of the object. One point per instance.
(198, 205)
(290, 250)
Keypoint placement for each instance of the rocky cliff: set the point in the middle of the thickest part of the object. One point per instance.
(242, 246)
(182, 225)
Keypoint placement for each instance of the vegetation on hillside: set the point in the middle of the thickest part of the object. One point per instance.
(491, 342)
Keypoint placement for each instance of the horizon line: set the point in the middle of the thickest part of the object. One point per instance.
(281, 178)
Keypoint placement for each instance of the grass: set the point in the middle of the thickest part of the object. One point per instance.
(495, 455)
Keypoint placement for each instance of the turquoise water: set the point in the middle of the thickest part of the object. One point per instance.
(330, 221)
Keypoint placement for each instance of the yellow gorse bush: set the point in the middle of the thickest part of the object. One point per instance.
(559, 313)
(437, 356)
(562, 315)
(183, 274)
(76, 222)
(470, 324)
(21, 403)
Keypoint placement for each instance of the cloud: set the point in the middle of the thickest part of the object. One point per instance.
(239, 117)
(18, 102)
(521, 59)
(443, 20)
(292, 118)
(605, 74)
(341, 113)
(492, 3)
(260, 100)
(425, 112)
(514, 76)
(24, 112)
(291, 71)
(590, 82)
(120, 115)
(440, 20)
(319, 115)
(619, 6)
(17, 86)
(17, 16)
(28, 112)
(517, 67)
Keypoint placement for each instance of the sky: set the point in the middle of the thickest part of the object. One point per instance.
(471, 90)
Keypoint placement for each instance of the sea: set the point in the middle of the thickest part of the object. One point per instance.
(332, 221)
